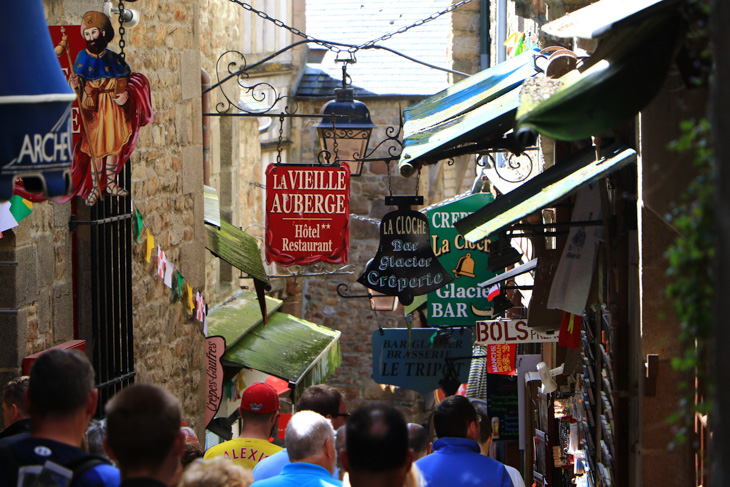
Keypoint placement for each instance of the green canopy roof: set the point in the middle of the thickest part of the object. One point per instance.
(290, 348)
(551, 185)
(481, 107)
(239, 316)
(237, 248)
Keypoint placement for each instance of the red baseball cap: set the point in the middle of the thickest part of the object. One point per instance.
(261, 398)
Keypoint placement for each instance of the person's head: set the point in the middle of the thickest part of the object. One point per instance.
(310, 438)
(216, 472)
(95, 434)
(340, 435)
(326, 401)
(14, 400)
(97, 31)
(190, 436)
(143, 431)
(61, 387)
(485, 425)
(455, 417)
(377, 446)
(418, 440)
(259, 409)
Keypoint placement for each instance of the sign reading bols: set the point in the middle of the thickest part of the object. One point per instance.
(509, 331)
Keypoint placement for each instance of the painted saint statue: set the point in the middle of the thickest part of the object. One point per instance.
(114, 103)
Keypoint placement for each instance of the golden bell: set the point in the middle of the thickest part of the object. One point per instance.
(465, 266)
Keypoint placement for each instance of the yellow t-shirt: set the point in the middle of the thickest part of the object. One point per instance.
(246, 452)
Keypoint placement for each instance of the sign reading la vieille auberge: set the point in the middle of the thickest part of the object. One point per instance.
(307, 214)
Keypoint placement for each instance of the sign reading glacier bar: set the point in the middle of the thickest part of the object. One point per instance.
(307, 214)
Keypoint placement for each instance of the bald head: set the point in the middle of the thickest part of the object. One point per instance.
(418, 440)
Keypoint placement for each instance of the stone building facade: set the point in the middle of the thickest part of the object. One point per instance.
(45, 272)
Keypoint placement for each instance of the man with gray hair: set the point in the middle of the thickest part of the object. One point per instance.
(17, 419)
(310, 442)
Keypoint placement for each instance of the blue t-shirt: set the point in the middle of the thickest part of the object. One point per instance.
(271, 466)
(30, 451)
(299, 474)
(457, 461)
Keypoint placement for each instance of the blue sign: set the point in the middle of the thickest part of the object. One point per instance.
(413, 360)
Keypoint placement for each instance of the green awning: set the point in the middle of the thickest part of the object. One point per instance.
(290, 348)
(551, 185)
(613, 85)
(237, 248)
(603, 17)
(480, 107)
(239, 316)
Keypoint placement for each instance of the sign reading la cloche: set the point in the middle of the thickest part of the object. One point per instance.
(404, 265)
(307, 214)
(409, 359)
(462, 302)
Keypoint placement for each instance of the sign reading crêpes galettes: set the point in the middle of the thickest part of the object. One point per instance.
(307, 214)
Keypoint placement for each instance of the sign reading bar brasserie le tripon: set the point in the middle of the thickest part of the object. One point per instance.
(409, 359)
(307, 214)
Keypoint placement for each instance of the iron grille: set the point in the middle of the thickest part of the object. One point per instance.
(103, 288)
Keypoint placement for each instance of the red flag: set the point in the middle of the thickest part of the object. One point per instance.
(493, 292)
(501, 359)
(570, 330)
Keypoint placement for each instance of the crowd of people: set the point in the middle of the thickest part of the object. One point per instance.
(50, 439)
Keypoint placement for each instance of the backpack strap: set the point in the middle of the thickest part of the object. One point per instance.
(82, 465)
(10, 463)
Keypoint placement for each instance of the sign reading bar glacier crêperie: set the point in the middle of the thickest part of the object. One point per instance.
(307, 214)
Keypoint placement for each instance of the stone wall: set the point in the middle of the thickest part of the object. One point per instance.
(170, 45)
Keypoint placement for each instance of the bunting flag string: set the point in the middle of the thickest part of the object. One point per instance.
(171, 277)
(13, 211)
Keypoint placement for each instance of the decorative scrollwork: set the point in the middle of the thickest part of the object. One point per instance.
(259, 98)
(515, 168)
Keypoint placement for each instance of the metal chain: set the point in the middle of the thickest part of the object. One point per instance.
(122, 30)
(418, 181)
(279, 23)
(281, 135)
(418, 23)
(366, 45)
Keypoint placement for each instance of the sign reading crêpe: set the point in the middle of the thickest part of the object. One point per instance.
(307, 214)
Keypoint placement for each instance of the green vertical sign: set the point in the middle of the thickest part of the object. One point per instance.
(461, 302)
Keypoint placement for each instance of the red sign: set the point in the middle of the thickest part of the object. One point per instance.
(76, 43)
(215, 347)
(307, 214)
(501, 359)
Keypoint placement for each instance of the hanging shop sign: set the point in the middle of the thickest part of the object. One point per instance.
(307, 214)
(462, 302)
(499, 332)
(412, 360)
(35, 106)
(503, 406)
(405, 265)
(215, 347)
(502, 359)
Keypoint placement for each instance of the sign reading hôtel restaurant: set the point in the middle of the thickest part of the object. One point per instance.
(307, 214)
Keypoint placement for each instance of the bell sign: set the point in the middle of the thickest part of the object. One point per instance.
(509, 331)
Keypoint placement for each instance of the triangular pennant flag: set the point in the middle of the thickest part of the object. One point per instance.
(7, 221)
(169, 271)
(160, 262)
(570, 330)
(20, 207)
(493, 292)
(179, 285)
(200, 307)
(150, 245)
(191, 305)
(138, 225)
